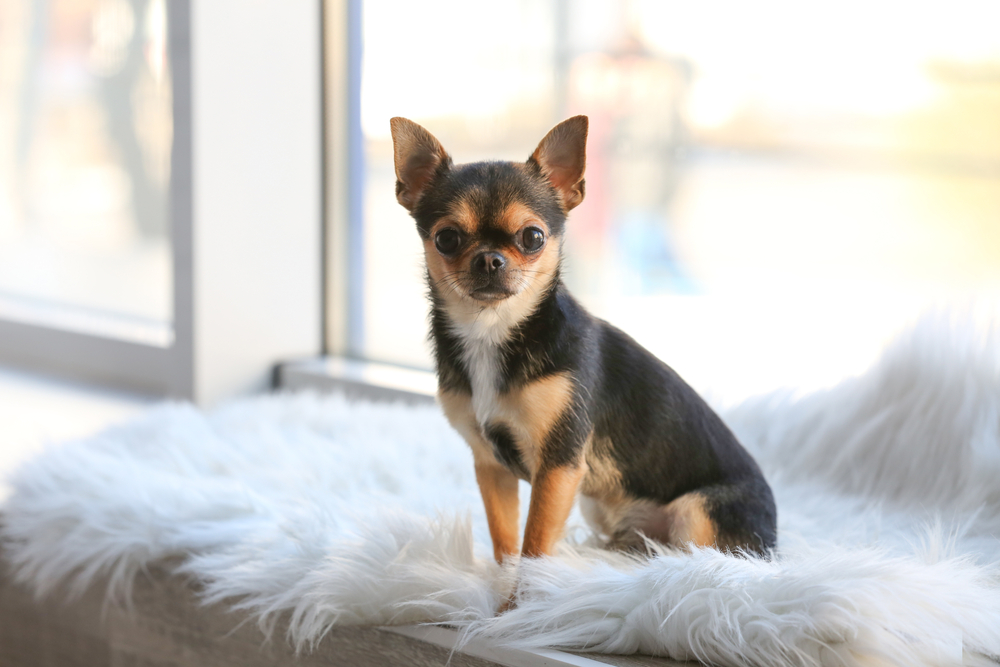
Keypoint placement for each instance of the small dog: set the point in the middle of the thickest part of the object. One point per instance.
(545, 392)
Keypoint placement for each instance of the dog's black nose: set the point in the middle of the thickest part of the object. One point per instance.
(488, 262)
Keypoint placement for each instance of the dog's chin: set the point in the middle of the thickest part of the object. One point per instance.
(490, 296)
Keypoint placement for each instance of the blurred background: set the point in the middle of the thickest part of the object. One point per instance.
(773, 189)
(85, 144)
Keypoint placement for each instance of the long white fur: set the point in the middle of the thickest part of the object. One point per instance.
(888, 489)
(481, 340)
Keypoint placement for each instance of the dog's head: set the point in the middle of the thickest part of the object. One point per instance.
(492, 231)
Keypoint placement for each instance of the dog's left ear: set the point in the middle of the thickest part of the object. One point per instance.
(417, 156)
(562, 159)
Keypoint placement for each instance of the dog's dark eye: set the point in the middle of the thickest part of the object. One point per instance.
(532, 239)
(447, 241)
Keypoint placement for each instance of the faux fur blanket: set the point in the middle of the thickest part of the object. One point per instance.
(327, 512)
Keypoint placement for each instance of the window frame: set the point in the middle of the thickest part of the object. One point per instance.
(246, 213)
(343, 180)
(117, 362)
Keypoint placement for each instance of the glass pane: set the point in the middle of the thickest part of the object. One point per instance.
(85, 140)
(767, 200)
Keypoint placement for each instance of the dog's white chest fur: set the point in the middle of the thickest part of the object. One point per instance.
(482, 338)
(483, 333)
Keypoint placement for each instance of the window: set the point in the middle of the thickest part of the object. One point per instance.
(92, 222)
(773, 189)
(146, 131)
(87, 134)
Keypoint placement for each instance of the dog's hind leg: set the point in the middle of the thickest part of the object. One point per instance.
(729, 517)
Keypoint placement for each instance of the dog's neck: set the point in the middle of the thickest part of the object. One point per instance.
(478, 338)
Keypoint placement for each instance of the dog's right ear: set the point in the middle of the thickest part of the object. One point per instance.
(562, 158)
(418, 156)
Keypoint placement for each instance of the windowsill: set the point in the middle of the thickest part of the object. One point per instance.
(166, 623)
(169, 604)
(167, 607)
(364, 379)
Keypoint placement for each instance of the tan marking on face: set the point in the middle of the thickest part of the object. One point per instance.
(528, 276)
(532, 279)
(514, 220)
(464, 311)
(517, 216)
(447, 272)
(553, 492)
(531, 412)
(437, 267)
(544, 263)
(461, 215)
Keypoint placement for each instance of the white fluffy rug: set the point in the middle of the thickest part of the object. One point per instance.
(888, 489)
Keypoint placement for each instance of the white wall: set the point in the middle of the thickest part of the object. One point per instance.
(256, 89)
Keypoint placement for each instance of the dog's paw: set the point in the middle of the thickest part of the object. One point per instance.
(507, 605)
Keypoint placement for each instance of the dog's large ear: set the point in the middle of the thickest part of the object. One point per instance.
(418, 156)
(562, 158)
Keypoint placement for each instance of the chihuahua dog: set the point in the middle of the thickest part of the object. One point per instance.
(543, 391)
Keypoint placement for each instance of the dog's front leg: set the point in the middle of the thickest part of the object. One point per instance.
(498, 487)
(553, 491)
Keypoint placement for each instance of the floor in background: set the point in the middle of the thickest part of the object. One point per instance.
(36, 410)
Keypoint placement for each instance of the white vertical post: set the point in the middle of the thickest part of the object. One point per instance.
(257, 198)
